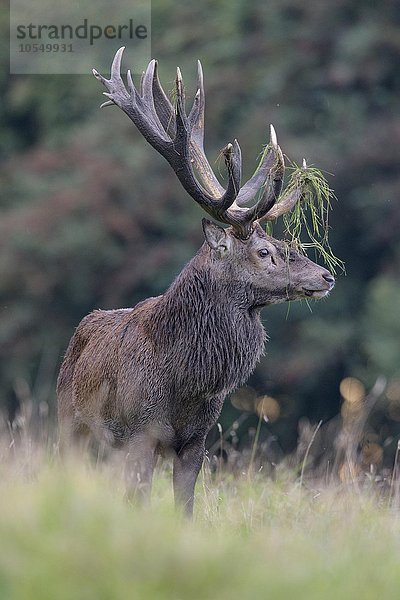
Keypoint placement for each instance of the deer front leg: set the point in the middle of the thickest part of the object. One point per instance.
(187, 464)
(139, 467)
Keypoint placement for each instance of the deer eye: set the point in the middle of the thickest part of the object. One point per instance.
(263, 252)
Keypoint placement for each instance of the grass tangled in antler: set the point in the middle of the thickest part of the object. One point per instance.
(311, 214)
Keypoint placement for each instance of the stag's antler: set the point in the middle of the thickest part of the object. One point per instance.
(180, 139)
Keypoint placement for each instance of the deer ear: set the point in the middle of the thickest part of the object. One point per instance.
(216, 236)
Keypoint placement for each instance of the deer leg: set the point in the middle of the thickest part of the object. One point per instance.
(139, 467)
(187, 464)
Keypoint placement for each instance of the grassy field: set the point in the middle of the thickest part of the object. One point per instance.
(67, 533)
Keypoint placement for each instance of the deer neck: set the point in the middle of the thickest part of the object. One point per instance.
(209, 327)
(201, 293)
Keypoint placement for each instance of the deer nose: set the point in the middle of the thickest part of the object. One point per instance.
(329, 278)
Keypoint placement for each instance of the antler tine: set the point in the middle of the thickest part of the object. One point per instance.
(163, 106)
(272, 189)
(108, 103)
(274, 182)
(196, 120)
(182, 122)
(116, 68)
(252, 186)
(147, 96)
(233, 161)
(196, 115)
(147, 83)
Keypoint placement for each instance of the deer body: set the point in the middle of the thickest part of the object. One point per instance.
(164, 367)
(153, 378)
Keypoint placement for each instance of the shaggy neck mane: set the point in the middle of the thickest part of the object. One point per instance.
(207, 321)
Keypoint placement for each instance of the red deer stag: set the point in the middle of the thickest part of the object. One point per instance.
(153, 378)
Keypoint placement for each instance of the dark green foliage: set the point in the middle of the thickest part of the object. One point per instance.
(92, 217)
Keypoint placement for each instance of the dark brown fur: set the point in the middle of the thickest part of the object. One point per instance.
(153, 378)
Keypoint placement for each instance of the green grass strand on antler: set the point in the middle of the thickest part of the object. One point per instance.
(311, 214)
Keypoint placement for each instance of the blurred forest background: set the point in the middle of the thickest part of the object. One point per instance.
(92, 218)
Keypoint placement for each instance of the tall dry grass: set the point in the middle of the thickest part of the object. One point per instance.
(66, 532)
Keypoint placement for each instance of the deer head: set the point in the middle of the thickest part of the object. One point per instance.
(268, 269)
(274, 272)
